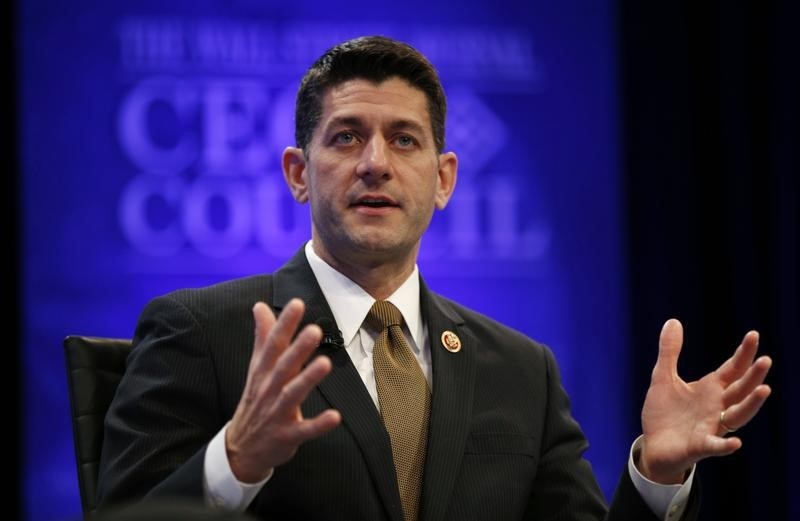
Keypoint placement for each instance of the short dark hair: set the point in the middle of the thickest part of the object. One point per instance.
(376, 59)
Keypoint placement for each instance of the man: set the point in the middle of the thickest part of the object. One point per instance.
(440, 414)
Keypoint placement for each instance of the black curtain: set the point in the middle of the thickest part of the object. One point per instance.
(11, 219)
(711, 101)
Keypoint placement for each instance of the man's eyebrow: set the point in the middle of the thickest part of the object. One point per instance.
(345, 121)
(357, 122)
(407, 124)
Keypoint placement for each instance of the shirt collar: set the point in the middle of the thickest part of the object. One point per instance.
(350, 303)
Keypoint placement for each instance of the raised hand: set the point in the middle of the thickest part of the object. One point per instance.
(686, 422)
(268, 425)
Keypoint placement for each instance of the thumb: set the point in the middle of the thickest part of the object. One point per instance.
(669, 348)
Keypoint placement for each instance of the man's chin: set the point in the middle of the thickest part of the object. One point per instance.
(384, 247)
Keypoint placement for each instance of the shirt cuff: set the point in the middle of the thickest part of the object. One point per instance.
(220, 487)
(666, 501)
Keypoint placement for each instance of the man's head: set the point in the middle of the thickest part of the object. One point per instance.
(372, 58)
(370, 128)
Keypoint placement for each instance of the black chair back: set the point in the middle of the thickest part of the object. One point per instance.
(94, 368)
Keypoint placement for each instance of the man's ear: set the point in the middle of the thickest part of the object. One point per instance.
(294, 172)
(446, 183)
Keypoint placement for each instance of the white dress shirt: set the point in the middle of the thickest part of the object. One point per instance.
(350, 304)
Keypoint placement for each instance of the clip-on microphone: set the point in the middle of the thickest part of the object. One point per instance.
(331, 336)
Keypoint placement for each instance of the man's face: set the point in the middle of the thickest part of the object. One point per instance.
(371, 173)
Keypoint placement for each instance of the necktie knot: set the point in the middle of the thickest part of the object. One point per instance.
(384, 314)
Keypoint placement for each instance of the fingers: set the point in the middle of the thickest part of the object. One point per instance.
(268, 424)
(295, 392)
(754, 376)
(264, 319)
(291, 385)
(669, 348)
(733, 368)
(276, 358)
(273, 337)
(285, 384)
(739, 414)
(746, 392)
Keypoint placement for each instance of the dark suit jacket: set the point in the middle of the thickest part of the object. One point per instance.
(502, 443)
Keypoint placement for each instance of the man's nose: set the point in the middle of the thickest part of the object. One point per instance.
(374, 159)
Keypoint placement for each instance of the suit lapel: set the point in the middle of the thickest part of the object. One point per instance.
(453, 384)
(361, 418)
(343, 388)
(296, 280)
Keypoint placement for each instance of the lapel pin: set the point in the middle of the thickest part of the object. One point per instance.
(451, 342)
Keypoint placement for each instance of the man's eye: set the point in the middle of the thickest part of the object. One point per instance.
(405, 141)
(345, 138)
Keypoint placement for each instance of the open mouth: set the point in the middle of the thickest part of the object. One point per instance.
(375, 202)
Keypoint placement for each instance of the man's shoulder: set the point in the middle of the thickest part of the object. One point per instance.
(239, 294)
(237, 286)
(243, 291)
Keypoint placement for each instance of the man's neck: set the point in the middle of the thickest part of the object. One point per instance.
(376, 276)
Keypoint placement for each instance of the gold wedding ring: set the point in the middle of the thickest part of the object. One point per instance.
(722, 423)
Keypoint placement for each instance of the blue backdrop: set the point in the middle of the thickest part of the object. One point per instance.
(150, 134)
